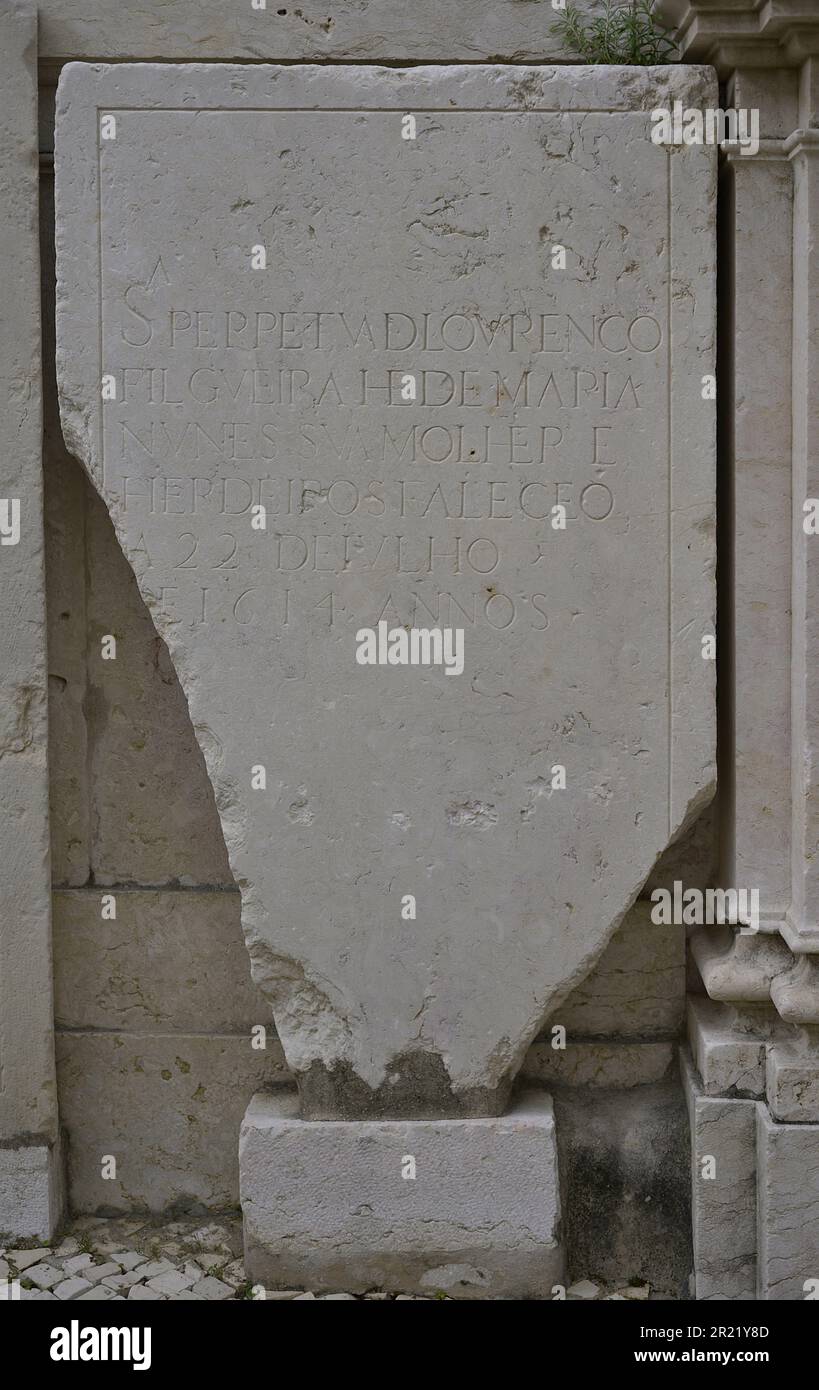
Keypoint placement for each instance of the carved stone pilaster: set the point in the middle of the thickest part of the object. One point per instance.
(755, 1032)
(739, 967)
(728, 1032)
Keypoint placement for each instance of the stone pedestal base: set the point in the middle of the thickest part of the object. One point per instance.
(470, 1207)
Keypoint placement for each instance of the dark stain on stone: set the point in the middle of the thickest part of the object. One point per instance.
(417, 1087)
(624, 1164)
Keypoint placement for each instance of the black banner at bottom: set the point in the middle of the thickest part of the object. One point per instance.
(167, 1338)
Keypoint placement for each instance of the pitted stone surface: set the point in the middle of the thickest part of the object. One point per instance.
(535, 387)
(366, 31)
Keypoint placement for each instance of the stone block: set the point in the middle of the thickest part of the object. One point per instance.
(606, 1063)
(31, 1191)
(385, 32)
(787, 1209)
(636, 988)
(792, 1081)
(168, 1108)
(72, 1288)
(728, 1062)
(213, 1289)
(96, 1273)
(335, 1206)
(171, 961)
(23, 1259)
(171, 1282)
(122, 1281)
(723, 1192)
(44, 1275)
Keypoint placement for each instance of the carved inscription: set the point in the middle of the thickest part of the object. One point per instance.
(333, 443)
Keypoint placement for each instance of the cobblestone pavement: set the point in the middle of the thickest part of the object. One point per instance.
(194, 1259)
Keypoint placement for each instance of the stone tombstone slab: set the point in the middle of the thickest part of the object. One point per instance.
(326, 377)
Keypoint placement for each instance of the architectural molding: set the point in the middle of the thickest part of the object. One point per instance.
(743, 33)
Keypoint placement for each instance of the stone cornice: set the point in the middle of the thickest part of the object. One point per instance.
(743, 33)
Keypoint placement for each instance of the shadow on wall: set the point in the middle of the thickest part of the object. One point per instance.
(154, 1008)
(624, 1160)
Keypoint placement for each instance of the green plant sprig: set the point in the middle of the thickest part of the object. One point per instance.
(624, 33)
